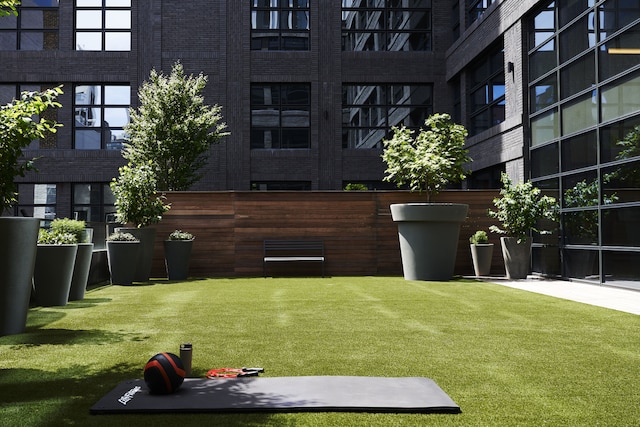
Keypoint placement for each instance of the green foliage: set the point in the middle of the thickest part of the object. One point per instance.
(8, 7)
(56, 237)
(69, 226)
(136, 198)
(119, 236)
(355, 187)
(479, 236)
(431, 160)
(173, 128)
(181, 235)
(519, 208)
(19, 125)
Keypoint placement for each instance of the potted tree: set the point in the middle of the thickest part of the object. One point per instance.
(55, 259)
(428, 232)
(83, 257)
(519, 208)
(481, 253)
(19, 236)
(138, 203)
(177, 254)
(122, 253)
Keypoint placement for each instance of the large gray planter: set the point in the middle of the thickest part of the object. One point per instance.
(123, 259)
(517, 257)
(481, 255)
(428, 234)
(177, 255)
(18, 243)
(147, 237)
(81, 271)
(53, 273)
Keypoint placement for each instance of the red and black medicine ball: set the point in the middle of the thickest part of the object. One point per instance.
(164, 373)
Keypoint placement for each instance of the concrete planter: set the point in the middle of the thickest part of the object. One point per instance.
(177, 255)
(147, 237)
(81, 271)
(18, 244)
(53, 273)
(481, 254)
(428, 234)
(517, 257)
(123, 259)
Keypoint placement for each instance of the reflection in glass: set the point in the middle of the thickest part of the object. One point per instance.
(88, 19)
(577, 76)
(621, 183)
(610, 145)
(621, 227)
(89, 41)
(621, 268)
(577, 38)
(581, 264)
(117, 41)
(579, 114)
(544, 128)
(621, 98)
(579, 151)
(619, 54)
(543, 60)
(544, 160)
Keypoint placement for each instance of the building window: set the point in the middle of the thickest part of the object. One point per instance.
(103, 25)
(476, 8)
(37, 200)
(584, 116)
(369, 111)
(386, 25)
(101, 112)
(35, 27)
(280, 116)
(280, 25)
(487, 92)
(9, 93)
(92, 202)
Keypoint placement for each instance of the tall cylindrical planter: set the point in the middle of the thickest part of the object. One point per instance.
(147, 237)
(123, 258)
(517, 257)
(481, 255)
(81, 271)
(428, 234)
(18, 244)
(177, 254)
(52, 274)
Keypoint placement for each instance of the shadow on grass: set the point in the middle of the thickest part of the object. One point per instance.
(36, 397)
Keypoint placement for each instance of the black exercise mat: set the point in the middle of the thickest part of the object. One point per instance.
(283, 394)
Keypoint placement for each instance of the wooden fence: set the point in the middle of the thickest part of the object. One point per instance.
(359, 234)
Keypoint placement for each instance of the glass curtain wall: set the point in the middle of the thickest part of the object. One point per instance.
(584, 100)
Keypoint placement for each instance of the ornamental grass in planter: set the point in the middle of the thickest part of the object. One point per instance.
(434, 158)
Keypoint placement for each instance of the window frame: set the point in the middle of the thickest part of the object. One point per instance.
(276, 35)
(20, 29)
(104, 29)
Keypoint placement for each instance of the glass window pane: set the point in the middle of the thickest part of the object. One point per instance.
(570, 9)
(295, 138)
(544, 160)
(8, 41)
(621, 227)
(116, 117)
(88, 95)
(543, 60)
(621, 184)
(118, 3)
(580, 228)
(621, 98)
(581, 264)
(579, 152)
(577, 76)
(613, 137)
(118, 41)
(118, 19)
(117, 95)
(620, 53)
(621, 269)
(579, 114)
(89, 3)
(88, 19)
(581, 190)
(544, 128)
(88, 41)
(9, 22)
(87, 139)
(544, 93)
(577, 38)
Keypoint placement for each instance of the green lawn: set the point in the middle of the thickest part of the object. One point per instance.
(507, 357)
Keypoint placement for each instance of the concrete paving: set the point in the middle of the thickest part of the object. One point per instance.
(626, 300)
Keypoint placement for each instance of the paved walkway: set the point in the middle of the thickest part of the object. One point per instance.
(603, 296)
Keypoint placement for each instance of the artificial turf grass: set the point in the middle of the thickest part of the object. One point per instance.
(507, 357)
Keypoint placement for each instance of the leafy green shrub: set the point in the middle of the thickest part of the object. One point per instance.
(519, 208)
(70, 226)
(479, 237)
(53, 237)
(120, 236)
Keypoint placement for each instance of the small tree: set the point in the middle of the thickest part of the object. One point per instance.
(431, 160)
(20, 123)
(173, 128)
(136, 198)
(519, 208)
